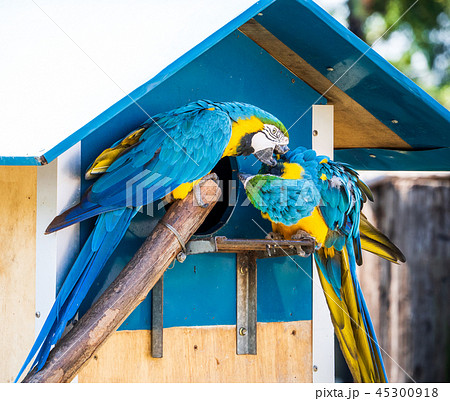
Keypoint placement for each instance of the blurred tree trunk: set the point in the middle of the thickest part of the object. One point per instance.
(409, 303)
(356, 18)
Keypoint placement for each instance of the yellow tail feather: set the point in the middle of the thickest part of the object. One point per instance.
(349, 325)
(373, 240)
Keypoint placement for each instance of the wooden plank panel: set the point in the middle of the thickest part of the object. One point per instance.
(205, 354)
(17, 266)
(355, 127)
(409, 302)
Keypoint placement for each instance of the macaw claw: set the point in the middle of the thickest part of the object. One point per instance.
(196, 188)
(299, 235)
(275, 236)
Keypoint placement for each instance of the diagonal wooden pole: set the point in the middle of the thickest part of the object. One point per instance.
(128, 290)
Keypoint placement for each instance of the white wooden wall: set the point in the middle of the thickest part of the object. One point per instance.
(323, 332)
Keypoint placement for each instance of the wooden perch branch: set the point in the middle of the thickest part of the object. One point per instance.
(127, 291)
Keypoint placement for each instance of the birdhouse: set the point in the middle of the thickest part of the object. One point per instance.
(78, 80)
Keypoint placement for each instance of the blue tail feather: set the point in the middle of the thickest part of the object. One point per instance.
(368, 326)
(84, 210)
(78, 282)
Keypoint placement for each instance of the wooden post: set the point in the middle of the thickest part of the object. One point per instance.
(127, 291)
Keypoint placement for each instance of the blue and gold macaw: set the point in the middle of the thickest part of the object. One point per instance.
(166, 156)
(307, 195)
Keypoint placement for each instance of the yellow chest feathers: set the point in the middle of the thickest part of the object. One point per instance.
(314, 225)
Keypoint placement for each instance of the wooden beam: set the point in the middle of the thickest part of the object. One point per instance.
(355, 127)
(127, 291)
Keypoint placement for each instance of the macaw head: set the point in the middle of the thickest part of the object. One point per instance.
(262, 136)
(270, 175)
(261, 188)
(281, 169)
(271, 138)
(257, 188)
(245, 178)
(285, 195)
(294, 172)
(255, 131)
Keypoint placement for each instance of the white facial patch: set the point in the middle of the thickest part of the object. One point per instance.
(260, 142)
(268, 137)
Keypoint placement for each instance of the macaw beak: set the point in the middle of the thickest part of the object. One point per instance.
(266, 156)
(281, 149)
(244, 178)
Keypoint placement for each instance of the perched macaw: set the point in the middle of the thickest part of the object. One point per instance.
(166, 156)
(307, 195)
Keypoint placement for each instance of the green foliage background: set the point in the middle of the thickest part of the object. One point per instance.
(424, 25)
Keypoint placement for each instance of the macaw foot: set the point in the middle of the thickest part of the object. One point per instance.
(168, 198)
(299, 235)
(275, 236)
(196, 188)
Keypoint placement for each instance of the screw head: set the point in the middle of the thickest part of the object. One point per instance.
(330, 69)
(315, 368)
(315, 133)
(242, 331)
(38, 314)
(181, 257)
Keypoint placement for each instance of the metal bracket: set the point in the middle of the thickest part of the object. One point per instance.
(247, 252)
(157, 319)
(246, 303)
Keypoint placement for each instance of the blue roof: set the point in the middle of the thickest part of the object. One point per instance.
(369, 79)
(358, 70)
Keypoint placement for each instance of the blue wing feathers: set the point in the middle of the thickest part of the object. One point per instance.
(178, 149)
(286, 201)
(178, 139)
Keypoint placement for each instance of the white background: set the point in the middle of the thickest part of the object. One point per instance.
(49, 86)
